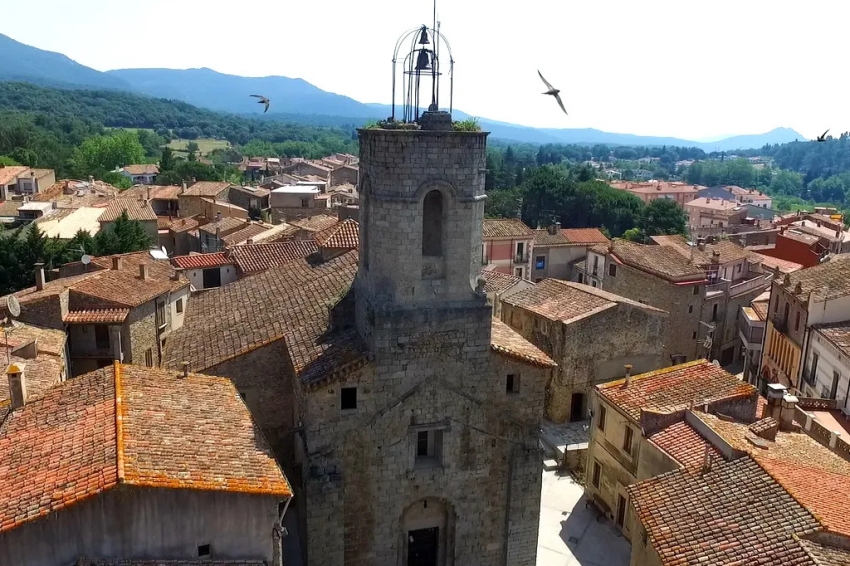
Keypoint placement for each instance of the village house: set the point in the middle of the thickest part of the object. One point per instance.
(826, 371)
(253, 199)
(558, 316)
(507, 247)
(500, 286)
(9, 180)
(105, 449)
(68, 193)
(648, 191)
(306, 167)
(33, 181)
(141, 174)
(295, 202)
(29, 211)
(751, 323)
(190, 199)
(344, 174)
(307, 228)
(713, 212)
(206, 271)
(798, 301)
(212, 233)
(64, 224)
(137, 210)
(162, 199)
(178, 235)
(557, 250)
(737, 194)
(702, 285)
(39, 356)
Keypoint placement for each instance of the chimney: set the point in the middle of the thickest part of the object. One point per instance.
(39, 276)
(183, 189)
(143, 271)
(117, 262)
(701, 244)
(706, 459)
(786, 413)
(775, 393)
(628, 378)
(17, 386)
(558, 226)
(249, 241)
(552, 230)
(185, 369)
(707, 199)
(149, 192)
(177, 272)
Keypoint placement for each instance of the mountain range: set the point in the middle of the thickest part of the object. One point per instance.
(300, 101)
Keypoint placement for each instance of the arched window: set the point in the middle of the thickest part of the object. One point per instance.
(785, 314)
(432, 224)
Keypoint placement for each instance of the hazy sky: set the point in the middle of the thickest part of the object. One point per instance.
(694, 69)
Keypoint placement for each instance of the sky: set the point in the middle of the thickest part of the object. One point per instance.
(694, 69)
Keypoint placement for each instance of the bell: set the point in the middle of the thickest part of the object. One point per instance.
(423, 62)
(423, 38)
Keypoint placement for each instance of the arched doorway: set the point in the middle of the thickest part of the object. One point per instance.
(427, 532)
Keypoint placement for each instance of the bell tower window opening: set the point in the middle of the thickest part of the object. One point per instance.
(432, 224)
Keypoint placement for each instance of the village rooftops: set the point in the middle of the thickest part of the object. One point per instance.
(315, 223)
(504, 340)
(130, 426)
(663, 261)
(674, 389)
(141, 169)
(584, 236)
(224, 226)
(715, 204)
(660, 187)
(201, 261)
(721, 252)
(838, 333)
(153, 192)
(39, 351)
(136, 210)
(506, 228)
(248, 232)
(343, 235)
(206, 189)
(497, 282)
(566, 301)
(251, 258)
(828, 280)
(784, 266)
(10, 173)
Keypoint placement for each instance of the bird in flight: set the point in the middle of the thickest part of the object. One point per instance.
(822, 137)
(263, 100)
(553, 92)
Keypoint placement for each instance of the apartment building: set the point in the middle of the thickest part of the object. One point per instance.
(507, 247)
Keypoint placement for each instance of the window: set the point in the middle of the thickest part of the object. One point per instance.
(694, 336)
(518, 272)
(714, 313)
(690, 309)
(520, 250)
(204, 550)
(580, 278)
(348, 398)
(834, 390)
(149, 358)
(179, 305)
(540, 262)
(600, 423)
(696, 290)
(785, 313)
(429, 446)
(597, 474)
(432, 224)
(612, 270)
(797, 322)
(160, 313)
(305, 203)
(814, 374)
(212, 278)
(512, 383)
(739, 267)
(101, 337)
(627, 440)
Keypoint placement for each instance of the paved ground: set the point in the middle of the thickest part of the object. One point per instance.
(570, 535)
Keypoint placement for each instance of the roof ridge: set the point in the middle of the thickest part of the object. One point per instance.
(654, 373)
(119, 420)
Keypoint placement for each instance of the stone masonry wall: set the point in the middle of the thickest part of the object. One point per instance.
(142, 335)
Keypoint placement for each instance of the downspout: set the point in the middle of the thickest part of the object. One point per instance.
(508, 503)
(278, 532)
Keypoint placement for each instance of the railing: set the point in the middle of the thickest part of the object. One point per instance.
(721, 287)
(522, 258)
(750, 284)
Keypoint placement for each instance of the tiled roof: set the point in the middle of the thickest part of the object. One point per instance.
(97, 316)
(289, 301)
(729, 251)
(130, 425)
(136, 210)
(825, 555)
(42, 371)
(156, 192)
(507, 342)
(784, 266)
(838, 333)
(124, 287)
(498, 282)
(315, 223)
(225, 225)
(10, 207)
(565, 301)
(506, 228)
(664, 261)
(9, 174)
(674, 388)
(345, 234)
(41, 173)
(733, 514)
(584, 236)
(830, 279)
(655, 187)
(200, 261)
(247, 233)
(206, 189)
(542, 238)
(51, 289)
(183, 224)
(682, 441)
(250, 258)
(142, 169)
(251, 191)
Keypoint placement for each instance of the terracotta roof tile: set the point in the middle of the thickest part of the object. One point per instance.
(584, 236)
(826, 555)
(124, 288)
(206, 189)
(345, 235)
(136, 210)
(829, 280)
(10, 173)
(315, 223)
(200, 261)
(687, 446)
(774, 262)
(142, 169)
(45, 369)
(838, 333)
(565, 301)
(674, 388)
(731, 515)
(505, 228)
(156, 192)
(247, 233)
(542, 238)
(663, 261)
(224, 226)
(133, 425)
(507, 342)
(179, 225)
(97, 316)
(250, 258)
(729, 251)
(498, 282)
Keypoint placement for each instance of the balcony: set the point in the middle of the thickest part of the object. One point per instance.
(760, 282)
(722, 286)
(522, 258)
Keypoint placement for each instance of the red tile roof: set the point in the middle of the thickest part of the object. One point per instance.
(249, 232)
(584, 236)
(125, 289)
(508, 343)
(663, 261)
(826, 555)
(675, 388)
(200, 261)
(687, 446)
(206, 189)
(732, 515)
(10, 173)
(130, 425)
(142, 169)
(506, 228)
(315, 223)
(251, 258)
(97, 316)
(136, 210)
(343, 235)
(498, 282)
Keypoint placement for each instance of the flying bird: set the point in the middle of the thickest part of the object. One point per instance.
(822, 137)
(553, 92)
(263, 100)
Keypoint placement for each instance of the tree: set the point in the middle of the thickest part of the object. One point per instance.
(125, 236)
(166, 160)
(99, 154)
(7, 161)
(192, 149)
(117, 180)
(662, 217)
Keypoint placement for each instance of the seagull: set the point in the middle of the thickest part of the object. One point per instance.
(263, 100)
(822, 137)
(554, 92)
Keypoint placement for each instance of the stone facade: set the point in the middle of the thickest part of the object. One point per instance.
(436, 449)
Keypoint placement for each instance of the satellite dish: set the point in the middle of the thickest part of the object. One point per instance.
(159, 254)
(86, 259)
(13, 306)
(715, 362)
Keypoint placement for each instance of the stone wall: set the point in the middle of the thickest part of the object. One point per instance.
(142, 335)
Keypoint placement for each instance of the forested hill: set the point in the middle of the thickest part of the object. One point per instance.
(124, 110)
